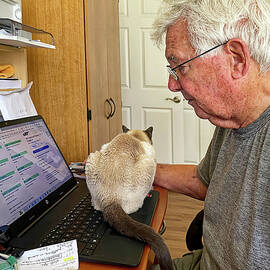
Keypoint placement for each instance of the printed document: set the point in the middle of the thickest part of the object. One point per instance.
(62, 256)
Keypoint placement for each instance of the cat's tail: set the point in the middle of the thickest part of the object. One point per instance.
(123, 223)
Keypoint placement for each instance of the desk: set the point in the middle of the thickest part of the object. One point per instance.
(156, 225)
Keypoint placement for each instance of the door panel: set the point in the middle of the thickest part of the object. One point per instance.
(158, 117)
(153, 63)
(179, 135)
(113, 62)
(103, 70)
(97, 70)
(124, 48)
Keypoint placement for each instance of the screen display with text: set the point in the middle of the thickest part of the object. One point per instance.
(31, 168)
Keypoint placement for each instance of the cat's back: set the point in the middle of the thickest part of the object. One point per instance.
(123, 169)
(122, 155)
(122, 151)
(123, 145)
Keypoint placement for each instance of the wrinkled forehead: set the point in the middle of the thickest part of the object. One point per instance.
(177, 41)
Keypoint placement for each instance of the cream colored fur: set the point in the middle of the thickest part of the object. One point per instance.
(122, 171)
(119, 177)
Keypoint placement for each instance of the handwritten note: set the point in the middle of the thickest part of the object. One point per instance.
(62, 256)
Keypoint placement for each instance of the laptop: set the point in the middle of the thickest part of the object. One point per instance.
(41, 203)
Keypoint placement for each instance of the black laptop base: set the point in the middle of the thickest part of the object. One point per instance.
(109, 247)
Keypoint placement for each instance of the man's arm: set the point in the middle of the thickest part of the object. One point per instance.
(181, 178)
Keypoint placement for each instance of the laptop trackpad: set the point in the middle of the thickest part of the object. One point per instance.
(127, 251)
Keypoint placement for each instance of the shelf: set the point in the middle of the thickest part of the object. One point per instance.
(20, 35)
(8, 49)
(23, 42)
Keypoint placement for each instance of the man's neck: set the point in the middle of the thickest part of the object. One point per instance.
(259, 99)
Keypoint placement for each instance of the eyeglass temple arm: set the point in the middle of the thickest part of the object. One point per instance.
(199, 55)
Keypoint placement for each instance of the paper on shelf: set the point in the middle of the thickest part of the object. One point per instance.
(17, 103)
(62, 256)
(4, 32)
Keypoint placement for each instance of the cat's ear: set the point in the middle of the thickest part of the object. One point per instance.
(125, 129)
(149, 132)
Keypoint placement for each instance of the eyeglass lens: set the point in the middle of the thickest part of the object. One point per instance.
(172, 73)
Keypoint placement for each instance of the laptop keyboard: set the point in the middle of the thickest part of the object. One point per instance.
(83, 223)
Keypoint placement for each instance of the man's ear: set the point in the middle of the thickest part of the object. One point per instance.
(240, 57)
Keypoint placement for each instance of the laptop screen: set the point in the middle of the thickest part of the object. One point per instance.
(31, 167)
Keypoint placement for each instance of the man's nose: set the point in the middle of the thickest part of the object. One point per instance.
(174, 85)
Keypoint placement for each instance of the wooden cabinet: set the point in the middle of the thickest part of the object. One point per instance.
(79, 75)
(103, 62)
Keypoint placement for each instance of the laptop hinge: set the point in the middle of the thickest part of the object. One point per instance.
(89, 115)
(4, 236)
(28, 227)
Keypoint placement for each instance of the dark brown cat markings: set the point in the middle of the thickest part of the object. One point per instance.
(119, 177)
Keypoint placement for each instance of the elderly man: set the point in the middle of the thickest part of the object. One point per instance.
(219, 59)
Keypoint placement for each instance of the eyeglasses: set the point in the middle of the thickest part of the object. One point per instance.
(172, 71)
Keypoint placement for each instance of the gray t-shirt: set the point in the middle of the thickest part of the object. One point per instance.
(237, 206)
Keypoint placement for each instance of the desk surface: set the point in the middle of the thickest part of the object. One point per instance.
(156, 224)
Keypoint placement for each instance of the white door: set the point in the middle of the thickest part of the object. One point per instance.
(179, 136)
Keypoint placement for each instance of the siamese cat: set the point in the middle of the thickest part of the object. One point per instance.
(119, 177)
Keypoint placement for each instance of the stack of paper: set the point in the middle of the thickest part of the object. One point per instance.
(9, 83)
(62, 256)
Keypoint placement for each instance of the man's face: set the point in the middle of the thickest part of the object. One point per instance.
(206, 83)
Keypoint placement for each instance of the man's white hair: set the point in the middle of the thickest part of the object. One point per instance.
(213, 22)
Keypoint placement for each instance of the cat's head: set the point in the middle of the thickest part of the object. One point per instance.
(142, 135)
